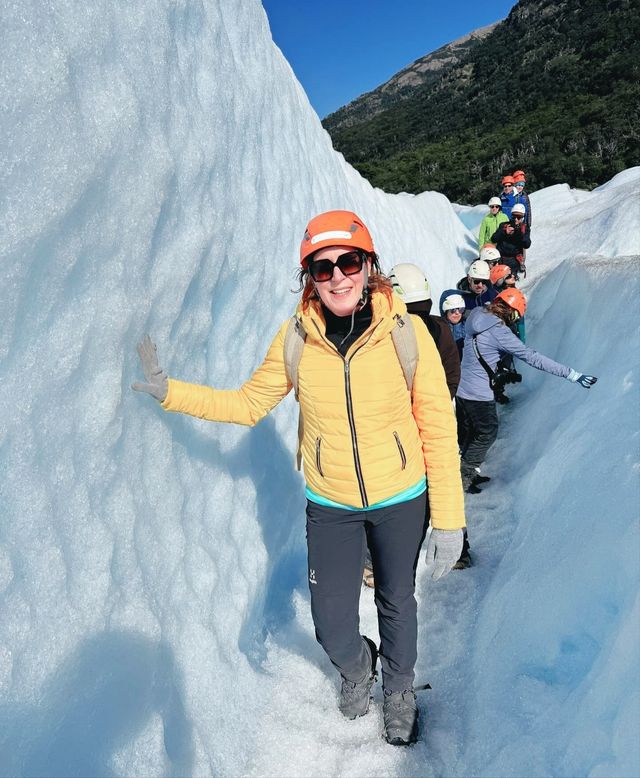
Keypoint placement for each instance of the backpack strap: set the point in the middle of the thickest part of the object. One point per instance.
(294, 340)
(405, 342)
(481, 359)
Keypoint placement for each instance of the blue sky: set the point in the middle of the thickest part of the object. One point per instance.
(340, 49)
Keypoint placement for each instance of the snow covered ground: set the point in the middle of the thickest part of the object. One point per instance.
(159, 163)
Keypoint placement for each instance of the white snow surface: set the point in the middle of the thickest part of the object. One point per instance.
(159, 164)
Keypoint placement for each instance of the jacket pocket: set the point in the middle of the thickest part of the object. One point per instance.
(318, 461)
(403, 456)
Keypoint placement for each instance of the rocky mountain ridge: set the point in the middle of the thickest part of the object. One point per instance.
(401, 86)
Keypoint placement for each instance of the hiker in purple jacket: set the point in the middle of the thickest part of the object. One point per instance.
(488, 338)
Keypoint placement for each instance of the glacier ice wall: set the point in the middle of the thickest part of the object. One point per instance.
(160, 162)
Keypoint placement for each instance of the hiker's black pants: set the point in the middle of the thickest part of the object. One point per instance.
(512, 262)
(336, 541)
(480, 429)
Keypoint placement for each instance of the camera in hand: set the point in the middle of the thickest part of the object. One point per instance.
(502, 377)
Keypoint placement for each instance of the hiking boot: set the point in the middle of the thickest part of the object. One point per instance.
(463, 563)
(368, 578)
(400, 717)
(481, 479)
(465, 556)
(467, 474)
(355, 695)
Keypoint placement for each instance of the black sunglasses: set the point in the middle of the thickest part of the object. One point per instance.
(349, 263)
(480, 281)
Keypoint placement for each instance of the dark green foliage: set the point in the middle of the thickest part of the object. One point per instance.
(554, 90)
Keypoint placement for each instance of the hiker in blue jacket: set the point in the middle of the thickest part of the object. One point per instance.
(488, 337)
(507, 196)
(476, 287)
(452, 308)
(521, 196)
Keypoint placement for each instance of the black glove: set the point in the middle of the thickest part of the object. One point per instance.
(581, 378)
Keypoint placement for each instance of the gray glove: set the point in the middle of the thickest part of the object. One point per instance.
(157, 384)
(443, 551)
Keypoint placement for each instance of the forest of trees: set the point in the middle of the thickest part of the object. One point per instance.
(554, 89)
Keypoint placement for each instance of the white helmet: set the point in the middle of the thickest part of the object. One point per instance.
(519, 209)
(490, 254)
(495, 201)
(453, 301)
(479, 269)
(409, 283)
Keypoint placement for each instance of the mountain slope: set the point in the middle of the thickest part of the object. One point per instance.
(554, 89)
(424, 72)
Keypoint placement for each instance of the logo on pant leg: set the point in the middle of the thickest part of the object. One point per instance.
(312, 576)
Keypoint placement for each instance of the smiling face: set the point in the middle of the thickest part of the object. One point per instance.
(340, 293)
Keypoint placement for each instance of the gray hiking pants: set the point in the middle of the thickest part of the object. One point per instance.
(336, 541)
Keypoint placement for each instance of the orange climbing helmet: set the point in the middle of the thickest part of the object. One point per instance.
(335, 228)
(514, 299)
(499, 272)
(519, 175)
(507, 180)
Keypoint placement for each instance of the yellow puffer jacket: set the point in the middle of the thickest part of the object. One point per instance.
(365, 437)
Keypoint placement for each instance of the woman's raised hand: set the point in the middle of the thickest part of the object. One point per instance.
(157, 383)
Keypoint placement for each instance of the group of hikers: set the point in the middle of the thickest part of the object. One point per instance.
(507, 226)
(385, 461)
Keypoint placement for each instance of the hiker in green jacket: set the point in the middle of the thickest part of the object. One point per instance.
(491, 221)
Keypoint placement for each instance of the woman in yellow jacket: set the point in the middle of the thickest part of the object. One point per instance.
(367, 442)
